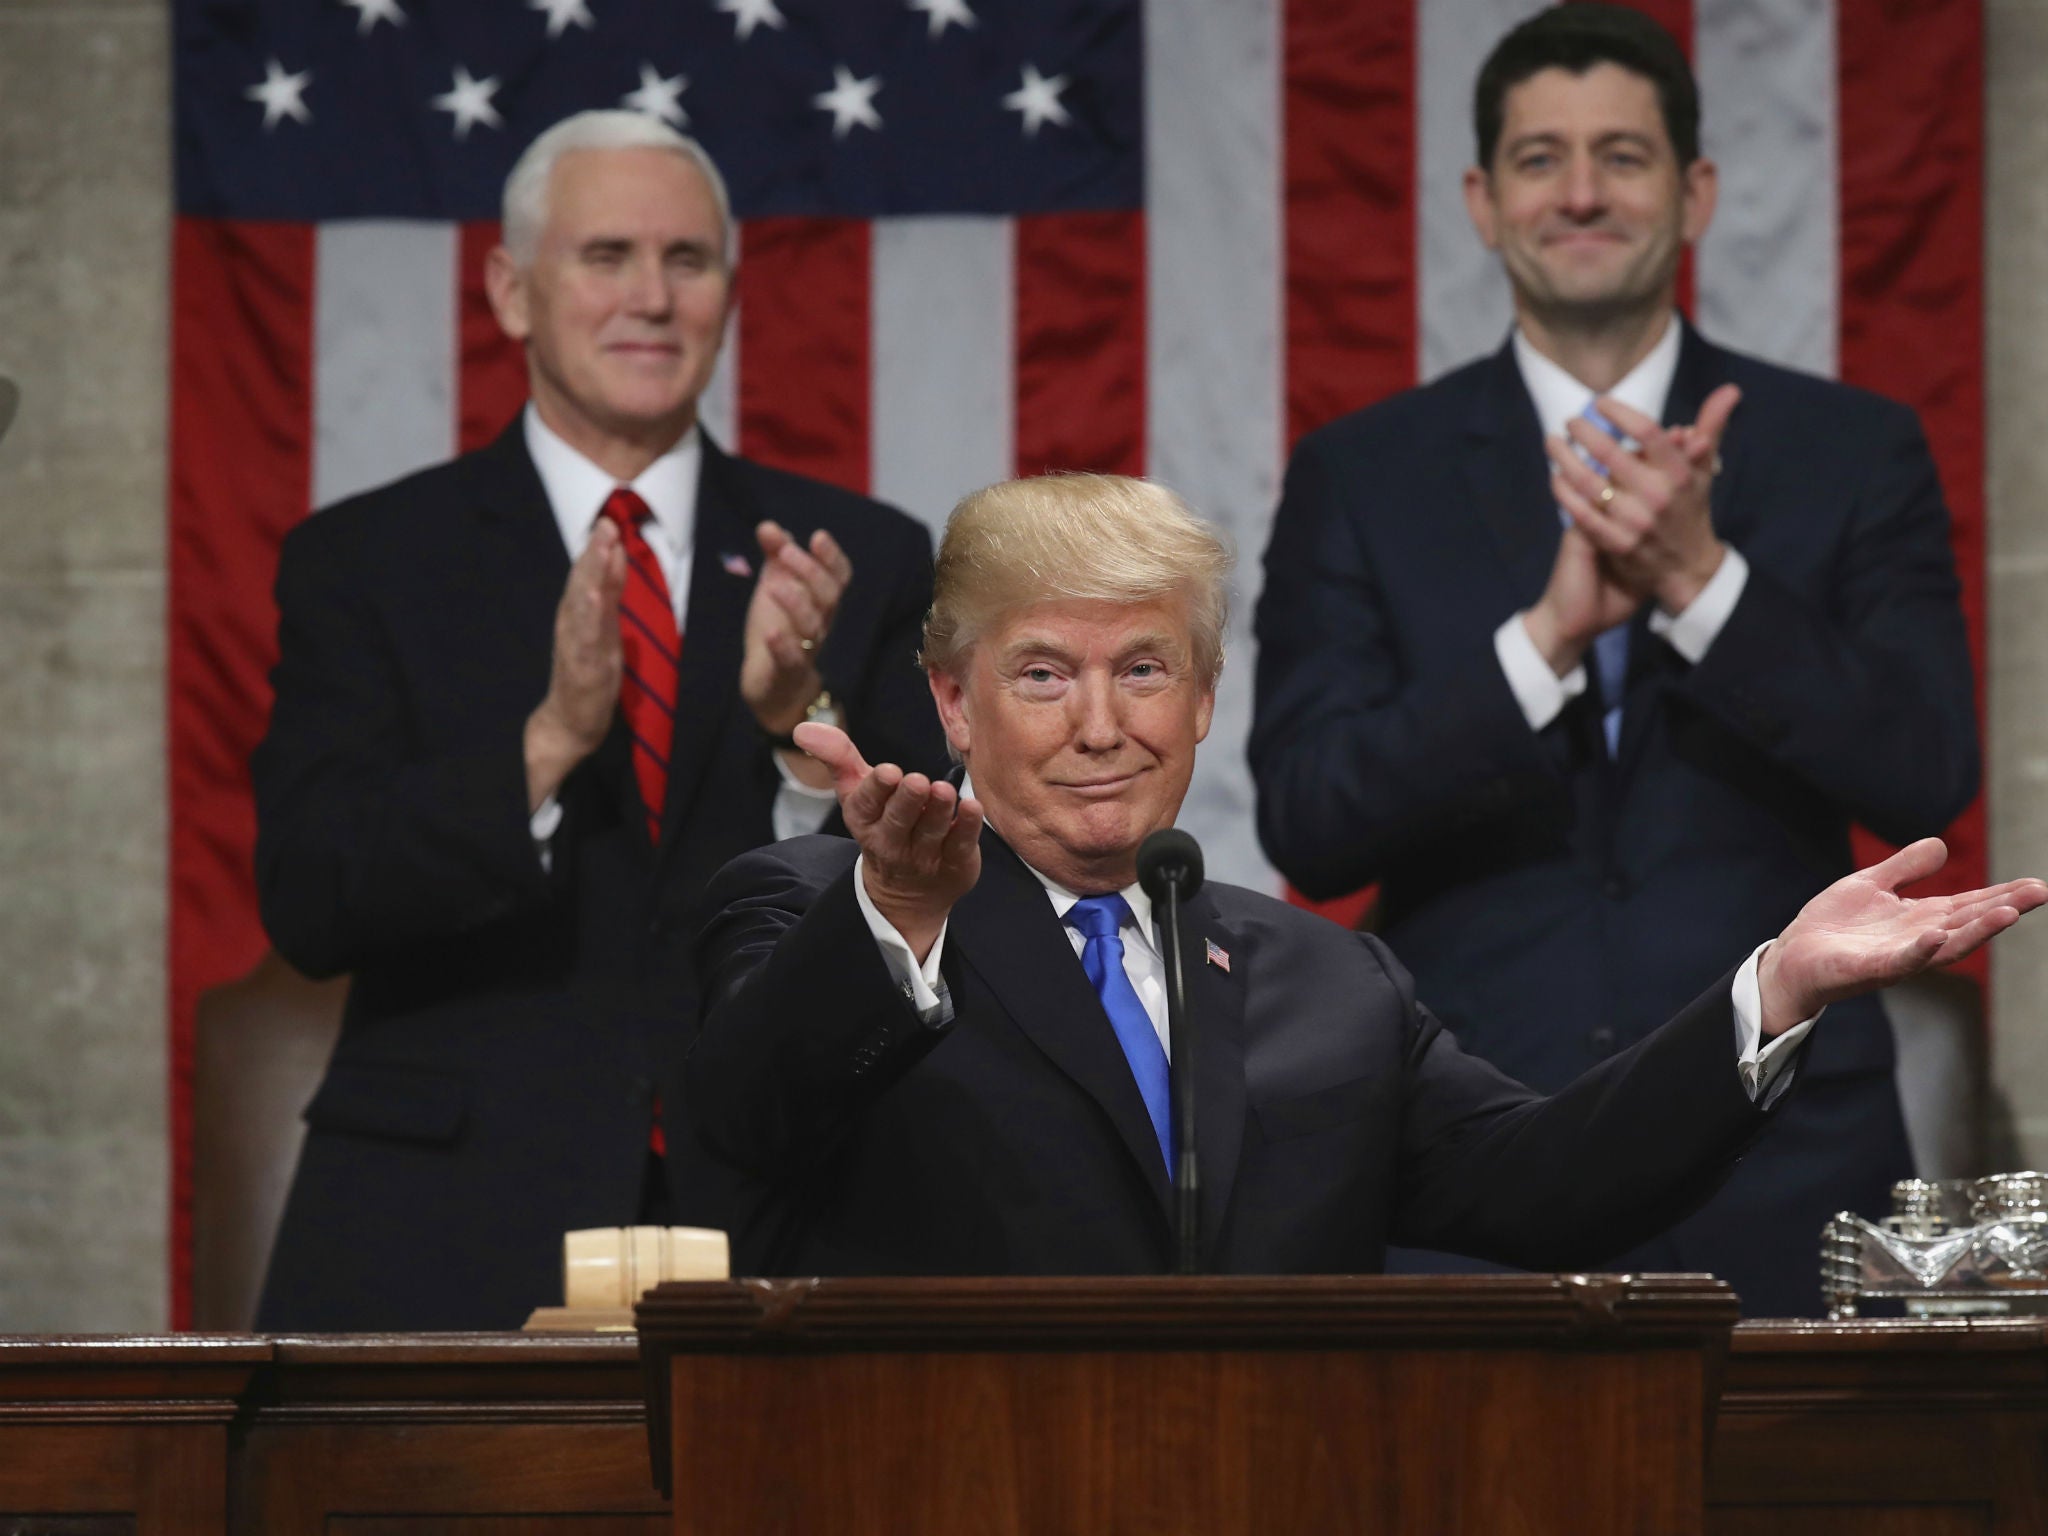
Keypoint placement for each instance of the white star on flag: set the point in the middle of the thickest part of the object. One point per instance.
(283, 95)
(370, 12)
(942, 12)
(850, 101)
(470, 101)
(1039, 100)
(561, 13)
(749, 14)
(658, 97)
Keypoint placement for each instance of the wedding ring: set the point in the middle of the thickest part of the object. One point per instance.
(1606, 495)
(807, 644)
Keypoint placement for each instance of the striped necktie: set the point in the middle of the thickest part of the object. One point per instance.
(653, 647)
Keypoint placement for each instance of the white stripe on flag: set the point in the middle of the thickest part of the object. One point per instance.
(384, 345)
(943, 401)
(1768, 271)
(1461, 295)
(1214, 377)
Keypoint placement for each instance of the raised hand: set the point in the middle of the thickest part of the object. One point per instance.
(787, 621)
(1649, 516)
(583, 683)
(1859, 934)
(920, 839)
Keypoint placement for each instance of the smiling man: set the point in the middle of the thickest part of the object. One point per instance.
(527, 702)
(941, 1049)
(1590, 653)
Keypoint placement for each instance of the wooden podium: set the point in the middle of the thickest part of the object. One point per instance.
(1072, 1407)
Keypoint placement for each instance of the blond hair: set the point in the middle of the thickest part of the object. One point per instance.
(1100, 538)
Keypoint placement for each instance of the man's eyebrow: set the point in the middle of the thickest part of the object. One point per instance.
(1549, 138)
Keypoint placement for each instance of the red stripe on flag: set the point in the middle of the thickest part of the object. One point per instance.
(491, 382)
(241, 475)
(1911, 114)
(805, 345)
(1349, 165)
(1080, 346)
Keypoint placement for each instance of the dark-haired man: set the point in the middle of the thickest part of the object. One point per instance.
(1591, 652)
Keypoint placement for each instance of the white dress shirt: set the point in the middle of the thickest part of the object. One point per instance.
(577, 490)
(1558, 398)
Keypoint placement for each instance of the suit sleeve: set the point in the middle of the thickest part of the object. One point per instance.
(1489, 1168)
(366, 842)
(1359, 752)
(1868, 699)
(803, 1025)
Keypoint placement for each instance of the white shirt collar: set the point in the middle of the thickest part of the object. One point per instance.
(1063, 899)
(576, 488)
(1558, 397)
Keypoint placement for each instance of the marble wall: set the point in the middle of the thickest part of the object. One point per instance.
(84, 234)
(84, 209)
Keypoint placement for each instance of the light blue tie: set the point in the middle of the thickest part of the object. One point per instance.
(1610, 646)
(1097, 919)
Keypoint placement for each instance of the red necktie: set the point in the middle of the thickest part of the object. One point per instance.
(653, 647)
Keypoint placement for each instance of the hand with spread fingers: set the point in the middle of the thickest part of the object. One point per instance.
(920, 839)
(787, 621)
(1649, 514)
(583, 685)
(1860, 934)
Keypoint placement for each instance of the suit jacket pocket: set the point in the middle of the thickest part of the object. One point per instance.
(1303, 1114)
(392, 1102)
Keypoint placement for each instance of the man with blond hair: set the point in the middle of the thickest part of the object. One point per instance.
(941, 1048)
(527, 702)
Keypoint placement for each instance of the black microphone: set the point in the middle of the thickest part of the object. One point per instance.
(1170, 871)
(10, 397)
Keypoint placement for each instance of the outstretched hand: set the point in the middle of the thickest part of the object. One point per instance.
(920, 839)
(1859, 934)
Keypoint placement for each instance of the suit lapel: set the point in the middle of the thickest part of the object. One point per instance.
(707, 688)
(1216, 1013)
(517, 551)
(1005, 929)
(1505, 478)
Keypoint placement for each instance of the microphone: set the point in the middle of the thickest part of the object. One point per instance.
(10, 397)
(1170, 871)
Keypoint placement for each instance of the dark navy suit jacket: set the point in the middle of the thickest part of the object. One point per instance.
(1555, 904)
(508, 1026)
(1333, 1112)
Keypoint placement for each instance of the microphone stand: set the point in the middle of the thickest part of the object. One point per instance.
(1187, 1183)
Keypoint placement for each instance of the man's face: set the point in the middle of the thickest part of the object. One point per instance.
(624, 306)
(1585, 199)
(1078, 722)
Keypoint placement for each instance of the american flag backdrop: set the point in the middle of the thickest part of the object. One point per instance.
(979, 238)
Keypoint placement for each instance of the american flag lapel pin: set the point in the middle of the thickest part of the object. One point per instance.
(736, 565)
(1216, 955)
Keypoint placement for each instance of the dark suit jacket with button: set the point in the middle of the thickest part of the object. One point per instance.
(1332, 1110)
(509, 1026)
(1554, 903)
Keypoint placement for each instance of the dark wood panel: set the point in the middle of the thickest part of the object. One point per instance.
(499, 1525)
(66, 1525)
(1851, 1520)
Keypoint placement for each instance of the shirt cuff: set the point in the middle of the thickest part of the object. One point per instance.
(1691, 631)
(1540, 691)
(921, 984)
(799, 807)
(541, 827)
(1766, 1069)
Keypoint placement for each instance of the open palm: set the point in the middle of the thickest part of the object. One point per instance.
(1860, 934)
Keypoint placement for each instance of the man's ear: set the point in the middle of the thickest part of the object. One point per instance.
(1479, 205)
(505, 285)
(951, 698)
(1702, 189)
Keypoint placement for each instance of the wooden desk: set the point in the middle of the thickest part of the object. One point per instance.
(1876, 1428)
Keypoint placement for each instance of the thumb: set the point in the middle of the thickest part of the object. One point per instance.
(1915, 861)
(772, 536)
(1713, 419)
(835, 749)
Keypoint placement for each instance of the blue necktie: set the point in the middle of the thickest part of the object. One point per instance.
(1610, 646)
(1097, 919)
